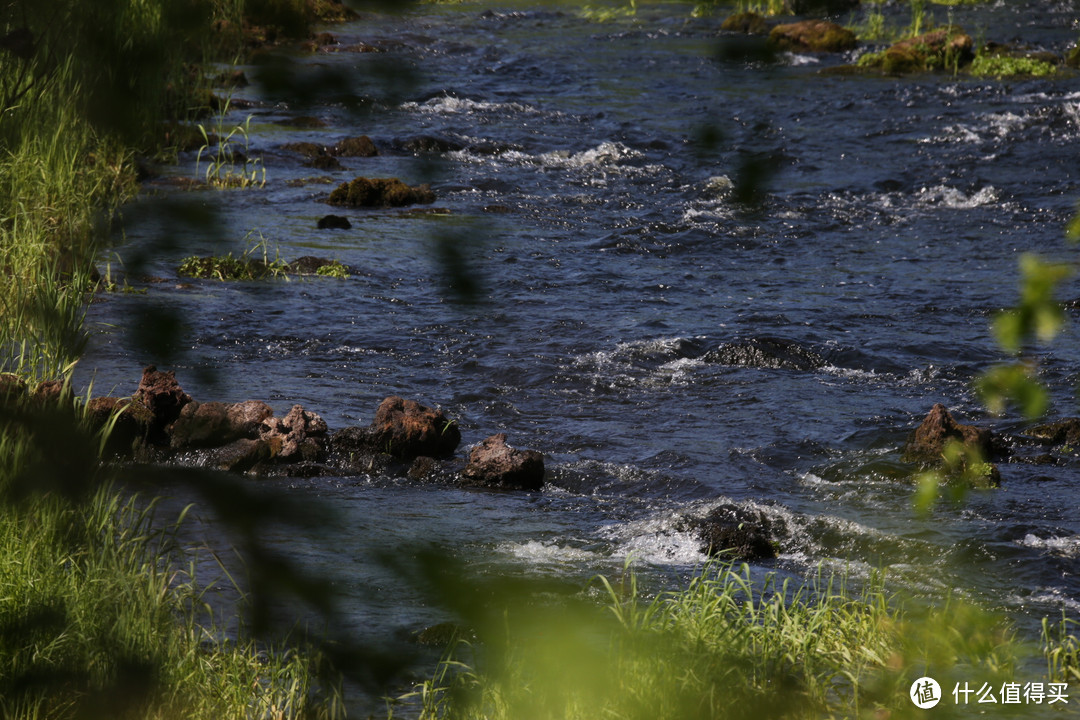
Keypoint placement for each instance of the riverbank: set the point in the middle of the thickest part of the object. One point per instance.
(99, 614)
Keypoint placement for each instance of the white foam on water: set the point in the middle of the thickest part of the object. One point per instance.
(1065, 546)
(447, 105)
(546, 553)
(945, 196)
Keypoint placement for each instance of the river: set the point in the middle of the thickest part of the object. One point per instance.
(614, 269)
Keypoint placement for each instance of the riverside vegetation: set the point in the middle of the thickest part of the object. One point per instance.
(98, 615)
(98, 619)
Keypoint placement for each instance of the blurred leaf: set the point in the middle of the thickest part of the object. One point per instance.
(1013, 383)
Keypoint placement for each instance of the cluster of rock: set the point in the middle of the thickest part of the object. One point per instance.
(162, 423)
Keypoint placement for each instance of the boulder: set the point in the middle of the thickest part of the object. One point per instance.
(299, 436)
(735, 533)
(334, 222)
(131, 422)
(406, 429)
(814, 35)
(380, 193)
(162, 395)
(213, 424)
(927, 443)
(493, 463)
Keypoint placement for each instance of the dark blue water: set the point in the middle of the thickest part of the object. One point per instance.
(614, 261)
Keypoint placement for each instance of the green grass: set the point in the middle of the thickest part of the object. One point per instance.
(729, 647)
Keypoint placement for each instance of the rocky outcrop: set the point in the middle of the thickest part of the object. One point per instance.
(927, 443)
(812, 35)
(495, 464)
(1060, 432)
(380, 193)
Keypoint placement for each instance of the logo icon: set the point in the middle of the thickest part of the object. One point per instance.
(925, 693)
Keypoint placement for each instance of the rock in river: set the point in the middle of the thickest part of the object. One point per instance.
(380, 193)
(493, 463)
(402, 428)
(927, 443)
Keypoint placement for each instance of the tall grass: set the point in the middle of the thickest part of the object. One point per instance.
(728, 646)
(98, 621)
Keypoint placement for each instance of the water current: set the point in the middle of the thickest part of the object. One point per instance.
(616, 272)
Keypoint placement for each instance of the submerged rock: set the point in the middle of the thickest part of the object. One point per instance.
(813, 35)
(493, 463)
(735, 533)
(380, 192)
(766, 352)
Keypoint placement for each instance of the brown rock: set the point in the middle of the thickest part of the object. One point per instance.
(162, 395)
(131, 422)
(493, 463)
(361, 146)
(380, 192)
(213, 424)
(406, 429)
(12, 387)
(928, 441)
(815, 35)
(299, 436)
(241, 455)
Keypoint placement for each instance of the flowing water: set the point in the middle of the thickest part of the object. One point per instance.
(667, 348)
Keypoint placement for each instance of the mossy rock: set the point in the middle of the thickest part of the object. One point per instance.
(749, 23)
(380, 192)
(360, 146)
(813, 35)
(944, 48)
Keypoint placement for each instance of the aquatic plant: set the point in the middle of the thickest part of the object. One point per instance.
(229, 166)
(1005, 66)
(253, 263)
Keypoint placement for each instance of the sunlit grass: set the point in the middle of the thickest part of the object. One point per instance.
(728, 646)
